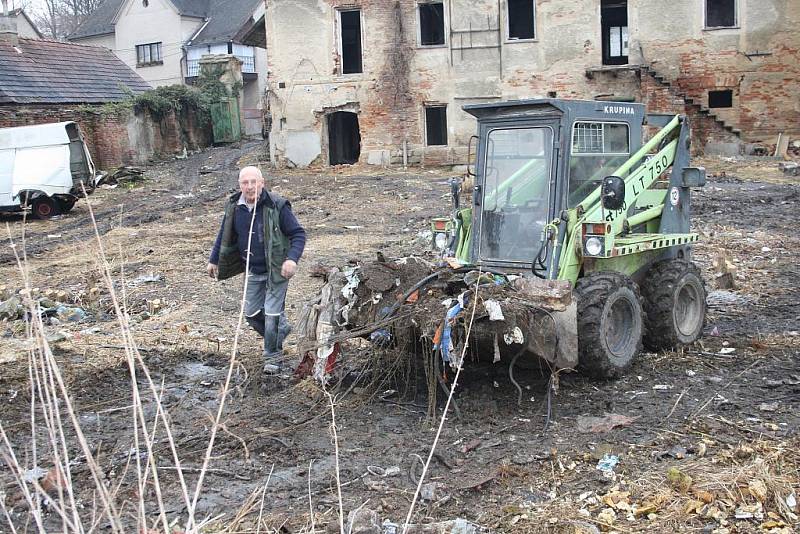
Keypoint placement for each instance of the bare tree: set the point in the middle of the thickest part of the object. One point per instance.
(59, 18)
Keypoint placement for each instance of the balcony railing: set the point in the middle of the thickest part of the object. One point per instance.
(193, 65)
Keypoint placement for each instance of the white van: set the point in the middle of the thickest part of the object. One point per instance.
(42, 168)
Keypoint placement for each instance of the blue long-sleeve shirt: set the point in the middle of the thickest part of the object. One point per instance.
(289, 226)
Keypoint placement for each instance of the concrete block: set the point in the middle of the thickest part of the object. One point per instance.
(723, 148)
(378, 157)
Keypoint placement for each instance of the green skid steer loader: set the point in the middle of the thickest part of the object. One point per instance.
(565, 191)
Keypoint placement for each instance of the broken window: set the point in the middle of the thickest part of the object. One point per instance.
(720, 13)
(720, 99)
(614, 24)
(350, 38)
(521, 22)
(148, 54)
(431, 24)
(436, 125)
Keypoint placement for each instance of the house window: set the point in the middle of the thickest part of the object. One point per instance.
(436, 125)
(720, 99)
(521, 21)
(431, 24)
(148, 54)
(350, 39)
(720, 13)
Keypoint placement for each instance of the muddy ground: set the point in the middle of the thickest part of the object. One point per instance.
(724, 412)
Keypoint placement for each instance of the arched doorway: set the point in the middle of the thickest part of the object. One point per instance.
(344, 138)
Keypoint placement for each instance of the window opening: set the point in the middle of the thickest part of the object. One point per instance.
(344, 138)
(614, 25)
(148, 54)
(720, 99)
(598, 149)
(431, 24)
(720, 13)
(436, 125)
(521, 22)
(350, 28)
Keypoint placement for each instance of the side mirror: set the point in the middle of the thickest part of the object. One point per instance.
(470, 164)
(612, 193)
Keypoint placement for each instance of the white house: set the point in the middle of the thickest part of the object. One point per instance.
(163, 41)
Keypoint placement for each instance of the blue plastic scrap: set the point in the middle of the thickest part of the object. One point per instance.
(608, 463)
(446, 344)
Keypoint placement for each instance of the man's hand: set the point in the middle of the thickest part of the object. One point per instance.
(288, 269)
(212, 270)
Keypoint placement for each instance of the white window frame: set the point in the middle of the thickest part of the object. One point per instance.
(735, 17)
(445, 27)
(339, 39)
(510, 39)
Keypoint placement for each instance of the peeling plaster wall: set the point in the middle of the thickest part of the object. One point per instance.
(400, 77)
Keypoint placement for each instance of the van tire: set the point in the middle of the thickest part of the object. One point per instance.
(65, 205)
(44, 207)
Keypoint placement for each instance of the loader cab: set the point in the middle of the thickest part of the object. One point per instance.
(536, 158)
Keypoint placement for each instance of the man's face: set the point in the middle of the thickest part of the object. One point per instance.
(251, 185)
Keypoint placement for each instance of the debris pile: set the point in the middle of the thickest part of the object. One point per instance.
(125, 176)
(410, 306)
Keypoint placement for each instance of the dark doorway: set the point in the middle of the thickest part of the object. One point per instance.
(351, 41)
(436, 125)
(614, 25)
(344, 138)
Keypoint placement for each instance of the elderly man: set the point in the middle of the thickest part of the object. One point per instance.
(274, 247)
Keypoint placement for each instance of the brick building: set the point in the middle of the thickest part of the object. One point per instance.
(377, 81)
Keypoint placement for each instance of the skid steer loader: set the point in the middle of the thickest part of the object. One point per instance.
(574, 247)
(565, 191)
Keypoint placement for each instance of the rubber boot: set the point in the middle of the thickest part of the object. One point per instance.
(273, 355)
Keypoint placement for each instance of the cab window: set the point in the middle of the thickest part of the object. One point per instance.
(598, 149)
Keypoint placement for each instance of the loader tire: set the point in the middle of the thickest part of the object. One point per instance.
(674, 304)
(610, 324)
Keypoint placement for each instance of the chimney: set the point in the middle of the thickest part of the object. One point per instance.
(8, 27)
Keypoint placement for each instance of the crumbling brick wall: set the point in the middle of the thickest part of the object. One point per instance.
(480, 64)
(119, 137)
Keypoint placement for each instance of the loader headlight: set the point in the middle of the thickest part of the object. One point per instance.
(593, 246)
(440, 240)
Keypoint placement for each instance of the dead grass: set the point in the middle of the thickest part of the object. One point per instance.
(752, 481)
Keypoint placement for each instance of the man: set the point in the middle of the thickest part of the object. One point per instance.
(275, 246)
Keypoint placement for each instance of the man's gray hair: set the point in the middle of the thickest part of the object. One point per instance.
(251, 170)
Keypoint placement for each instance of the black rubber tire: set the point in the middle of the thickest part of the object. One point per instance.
(674, 303)
(44, 207)
(610, 324)
(64, 206)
